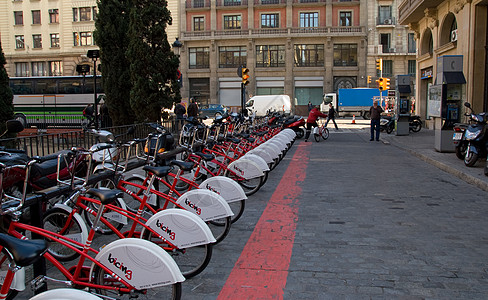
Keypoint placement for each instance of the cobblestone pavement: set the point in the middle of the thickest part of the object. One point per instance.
(375, 220)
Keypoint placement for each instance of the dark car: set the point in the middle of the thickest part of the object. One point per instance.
(212, 110)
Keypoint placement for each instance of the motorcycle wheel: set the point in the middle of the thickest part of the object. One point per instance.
(389, 129)
(461, 151)
(416, 126)
(470, 158)
(299, 133)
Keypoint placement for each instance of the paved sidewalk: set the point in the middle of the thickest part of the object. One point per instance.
(421, 144)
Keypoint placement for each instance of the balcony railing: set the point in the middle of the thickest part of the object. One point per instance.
(283, 32)
(231, 2)
(197, 3)
(264, 2)
(309, 1)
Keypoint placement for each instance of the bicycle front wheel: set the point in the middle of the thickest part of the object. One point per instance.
(324, 133)
(100, 277)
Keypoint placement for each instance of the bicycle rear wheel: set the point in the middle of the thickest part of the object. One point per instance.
(56, 220)
(100, 277)
(191, 261)
(220, 228)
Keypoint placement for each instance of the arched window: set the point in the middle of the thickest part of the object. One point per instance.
(427, 43)
(448, 31)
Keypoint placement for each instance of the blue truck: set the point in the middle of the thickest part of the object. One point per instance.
(355, 101)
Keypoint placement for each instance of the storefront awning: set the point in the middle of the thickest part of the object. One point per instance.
(451, 78)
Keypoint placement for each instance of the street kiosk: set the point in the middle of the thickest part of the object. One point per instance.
(402, 93)
(446, 98)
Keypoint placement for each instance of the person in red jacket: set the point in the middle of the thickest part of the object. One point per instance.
(312, 120)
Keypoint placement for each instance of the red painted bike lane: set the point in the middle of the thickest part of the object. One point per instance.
(262, 269)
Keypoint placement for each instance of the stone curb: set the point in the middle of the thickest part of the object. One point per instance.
(446, 168)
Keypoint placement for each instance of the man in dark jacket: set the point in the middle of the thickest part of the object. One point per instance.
(375, 112)
(331, 116)
(179, 111)
(192, 110)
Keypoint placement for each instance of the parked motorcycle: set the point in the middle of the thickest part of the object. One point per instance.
(387, 123)
(459, 140)
(476, 137)
(414, 123)
(296, 123)
(43, 174)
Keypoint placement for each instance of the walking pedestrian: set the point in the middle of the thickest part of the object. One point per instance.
(375, 113)
(106, 120)
(312, 120)
(331, 116)
(192, 110)
(180, 112)
(88, 113)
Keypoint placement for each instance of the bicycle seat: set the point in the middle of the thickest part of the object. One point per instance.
(158, 171)
(204, 156)
(185, 166)
(24, 252)
(105, 196)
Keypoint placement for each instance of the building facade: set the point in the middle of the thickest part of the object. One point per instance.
(52, 37)
(303, 48)
(457, 31)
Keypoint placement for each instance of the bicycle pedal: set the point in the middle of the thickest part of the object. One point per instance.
(38, 283)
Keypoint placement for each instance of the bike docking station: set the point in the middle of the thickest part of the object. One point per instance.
(402, 95)
(445, 100)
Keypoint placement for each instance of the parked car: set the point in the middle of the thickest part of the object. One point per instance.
(212, 110)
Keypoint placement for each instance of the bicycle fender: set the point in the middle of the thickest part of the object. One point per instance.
(65, 293)
(271, 149)
(261, 152)
(181, 227)
(281, 147)
(115, 216)
(18, 282)
(140, 263)
(290, 132)
(152, 199)
(245, 168)
(205, 204)
(79, 237)
(230, 190)
(258, 160)
(283, 139)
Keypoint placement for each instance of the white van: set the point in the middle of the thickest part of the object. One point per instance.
(260, 105)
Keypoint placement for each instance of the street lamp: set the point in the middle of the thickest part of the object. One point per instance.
(83, 70)
(94, 54)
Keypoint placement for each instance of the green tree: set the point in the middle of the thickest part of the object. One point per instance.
(111, 35)
(6, 96)
(153, 64)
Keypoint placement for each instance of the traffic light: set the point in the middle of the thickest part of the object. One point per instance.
(387, 83)
(379, 64)
(381, 84)
(245, 76)
(369, 79)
